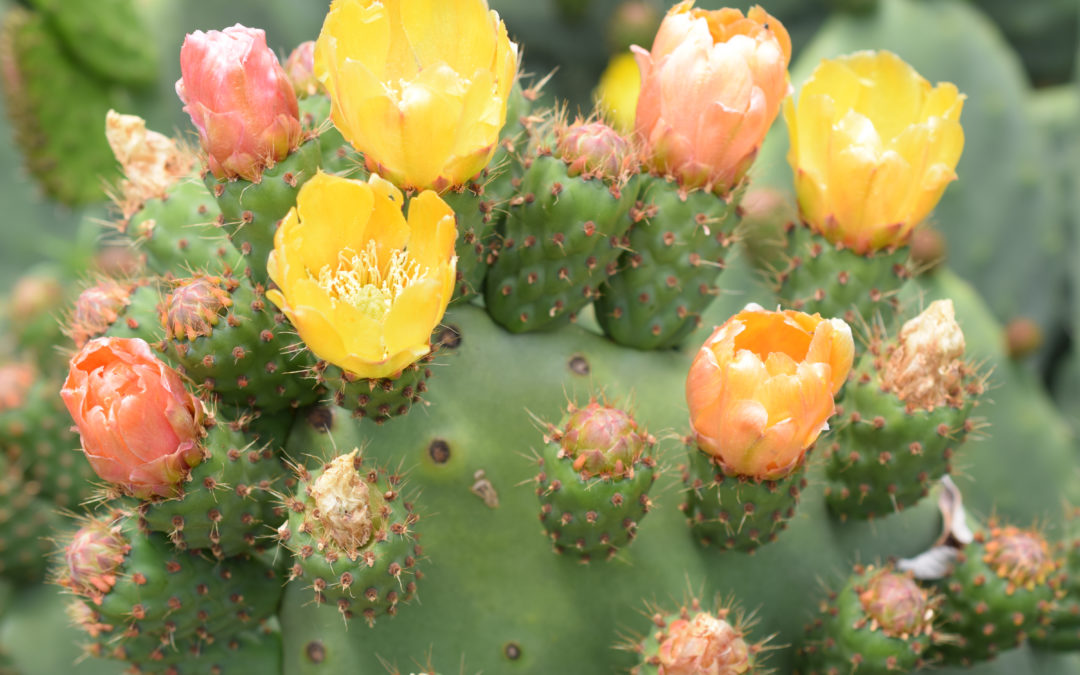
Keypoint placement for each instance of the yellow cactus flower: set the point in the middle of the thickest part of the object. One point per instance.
(761, 388)
(617, 93)
(873, 146)
(419, 86)
(363, 287)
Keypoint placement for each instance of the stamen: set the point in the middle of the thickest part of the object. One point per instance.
(358, 281)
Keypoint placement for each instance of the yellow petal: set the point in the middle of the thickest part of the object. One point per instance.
(416, 312)
(334, 215)
(459, 34)
(432, 223)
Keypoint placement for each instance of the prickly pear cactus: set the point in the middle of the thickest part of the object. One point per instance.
(443, 382)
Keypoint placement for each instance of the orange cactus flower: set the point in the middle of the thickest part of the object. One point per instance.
(710, 89)
(761, 388)
(140, 427)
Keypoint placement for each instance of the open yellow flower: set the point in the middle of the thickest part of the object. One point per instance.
(761, 388)
(418, 86)
(873, 146)
(363, 287)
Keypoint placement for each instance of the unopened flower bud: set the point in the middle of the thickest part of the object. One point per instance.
(96, 309)
(92, 557)
(594, 148)
(602, 439)
(15, 381)
(240, 100)
(896, 603)
(300, 67)
(194, 308)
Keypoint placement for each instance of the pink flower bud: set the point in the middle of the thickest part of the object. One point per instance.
(594, 148)
(140, 427)
(93, 557)
(300, 66)
(704, 645)
(240, 100)
(97, 308)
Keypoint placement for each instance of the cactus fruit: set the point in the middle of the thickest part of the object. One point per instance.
(880, 622)
(905, 411)
(835, 281)
(1060, 629)
(596, 469)
(251, 210)
(667, 276)
(997, 593)
(349, 531)
(141, 600)
(226, 505)
(736, 512)
(564, 229)
(205, 317)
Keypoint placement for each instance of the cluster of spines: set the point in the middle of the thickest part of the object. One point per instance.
(1060, 628)
(737, 513)
(359, 559)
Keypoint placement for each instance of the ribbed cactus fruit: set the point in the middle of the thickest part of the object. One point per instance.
(141, 600)
(226, 504)
(183, 232)
(596, 469)
(668, 275)
(905, 411)
(836, 281)
(733, 512)
(1060, 628)
(350, 532)
(233, 343)
(251, 210)
(565, 227)
(68, 163)
(996, 594)
(881, 621)
(696, 640)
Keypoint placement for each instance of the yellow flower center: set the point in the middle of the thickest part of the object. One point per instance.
(359, 281)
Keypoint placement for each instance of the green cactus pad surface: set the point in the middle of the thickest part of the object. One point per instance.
(668, 276)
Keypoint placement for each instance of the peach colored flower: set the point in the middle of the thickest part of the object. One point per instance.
(240, 100)
(140, 427)
(710, 88)
(761, 388)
